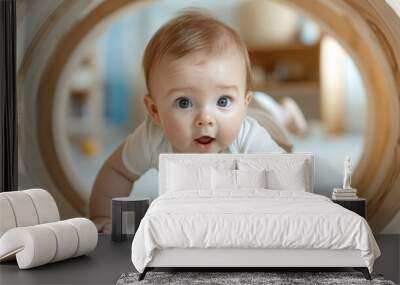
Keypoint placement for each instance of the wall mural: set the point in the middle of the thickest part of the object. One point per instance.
(316, 92)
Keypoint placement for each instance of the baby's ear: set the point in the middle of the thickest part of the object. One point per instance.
(248, 97)
(152, 109)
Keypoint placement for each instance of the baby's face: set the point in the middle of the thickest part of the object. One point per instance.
(199, 100)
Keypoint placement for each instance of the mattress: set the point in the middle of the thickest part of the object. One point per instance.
(251, 219)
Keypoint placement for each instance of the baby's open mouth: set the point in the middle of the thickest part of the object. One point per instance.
(205, 140)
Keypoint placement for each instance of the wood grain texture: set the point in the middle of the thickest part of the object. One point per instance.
(350, 23)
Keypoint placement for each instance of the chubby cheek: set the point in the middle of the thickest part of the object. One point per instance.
(229, 127)
(177, 129)
(229, 130)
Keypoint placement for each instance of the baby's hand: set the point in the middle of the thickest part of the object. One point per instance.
(103, 224)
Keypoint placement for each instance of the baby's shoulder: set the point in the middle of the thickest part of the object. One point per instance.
(147, 134)
(142, 147)
(247, 129)
(249, 125)
(155, 138)
(153, 132)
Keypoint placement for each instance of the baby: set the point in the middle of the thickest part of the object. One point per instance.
(198, 76)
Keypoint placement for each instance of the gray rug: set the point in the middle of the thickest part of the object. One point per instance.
(229, 278)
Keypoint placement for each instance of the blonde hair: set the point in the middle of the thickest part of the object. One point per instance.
(192, 31)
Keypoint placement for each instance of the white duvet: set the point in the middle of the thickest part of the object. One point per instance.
(251, 218)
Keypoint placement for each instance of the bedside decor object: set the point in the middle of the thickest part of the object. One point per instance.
(347, 192)
(127, 212)
(357, 205)
(31, 233)
(344, 194)
(348, 169)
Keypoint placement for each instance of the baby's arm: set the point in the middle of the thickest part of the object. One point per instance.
(255, 138)
(113, 180)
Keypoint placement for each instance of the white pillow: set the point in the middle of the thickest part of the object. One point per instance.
(282, 173)
(251, 178)
(293, 179)
(181, 177)
(226, 179)
(223, 179)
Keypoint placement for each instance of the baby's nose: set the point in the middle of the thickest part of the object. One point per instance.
(204, 120)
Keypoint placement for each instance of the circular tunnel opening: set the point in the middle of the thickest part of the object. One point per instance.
(376, 139)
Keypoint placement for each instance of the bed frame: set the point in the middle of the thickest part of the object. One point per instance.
(234, 259)
(248, 259)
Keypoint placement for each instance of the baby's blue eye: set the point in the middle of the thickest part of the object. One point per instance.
(224, 101)
(183, 103)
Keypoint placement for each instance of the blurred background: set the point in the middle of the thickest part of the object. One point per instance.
(101, 99)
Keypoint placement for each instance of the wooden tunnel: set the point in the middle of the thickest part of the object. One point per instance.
(368, 29)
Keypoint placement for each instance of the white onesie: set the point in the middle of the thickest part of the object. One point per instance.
(143, 146)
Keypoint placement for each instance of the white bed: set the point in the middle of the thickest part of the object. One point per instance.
(198, 223)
